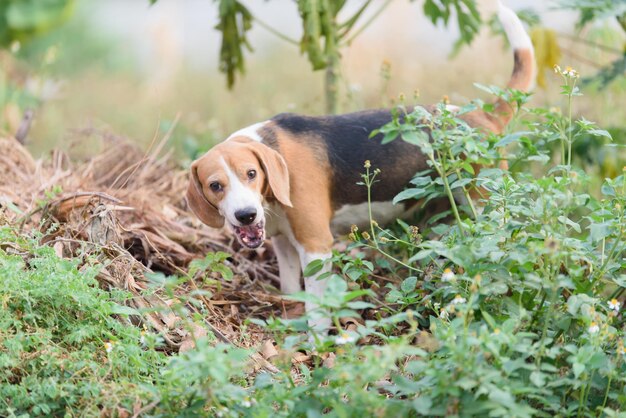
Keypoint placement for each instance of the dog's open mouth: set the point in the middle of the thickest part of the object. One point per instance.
(251, 236)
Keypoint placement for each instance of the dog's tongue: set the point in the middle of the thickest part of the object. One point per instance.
(250, 235)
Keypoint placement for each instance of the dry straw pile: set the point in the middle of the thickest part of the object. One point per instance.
(125, 208)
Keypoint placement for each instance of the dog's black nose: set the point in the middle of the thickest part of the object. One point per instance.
(246, 216)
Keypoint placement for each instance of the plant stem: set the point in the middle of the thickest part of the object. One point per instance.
(547, 319)
(606, 393)
(369, 181)
(610, 256)
(446, 186)
(581, 399)
(538, 311)
(617, 293)
(468, 197)
(569, 130)
(403, 264)
(331, 85)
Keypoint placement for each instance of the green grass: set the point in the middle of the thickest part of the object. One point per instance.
(55, 324)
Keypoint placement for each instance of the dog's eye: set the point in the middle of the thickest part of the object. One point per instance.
(251, 174)
(215, 186)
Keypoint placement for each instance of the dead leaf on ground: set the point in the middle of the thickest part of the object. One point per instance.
(268, 350)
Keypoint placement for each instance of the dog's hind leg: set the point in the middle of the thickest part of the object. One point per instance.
(315, 244)
(288, 264)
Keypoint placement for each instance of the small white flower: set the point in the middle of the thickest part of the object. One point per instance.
(108, 346)
(444, 314)
(593, 328)
(458, 299)
(448, 275)
(570, 72)
(345, 338)
(614, 305)
(246, 404)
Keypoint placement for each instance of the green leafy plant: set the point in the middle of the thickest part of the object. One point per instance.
(516, 309)
(61, 349)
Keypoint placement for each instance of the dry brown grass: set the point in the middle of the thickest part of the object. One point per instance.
(125, 208)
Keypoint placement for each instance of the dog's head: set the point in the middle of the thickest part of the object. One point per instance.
(231, 182)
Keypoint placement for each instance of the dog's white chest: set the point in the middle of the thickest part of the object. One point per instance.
(276, 222)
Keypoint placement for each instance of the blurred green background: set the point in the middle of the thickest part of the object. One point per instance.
(135, 69)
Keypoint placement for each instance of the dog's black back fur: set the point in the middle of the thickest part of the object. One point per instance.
(348, 143)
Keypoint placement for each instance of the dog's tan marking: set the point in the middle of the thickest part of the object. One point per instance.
(204, 207)
(309, 177)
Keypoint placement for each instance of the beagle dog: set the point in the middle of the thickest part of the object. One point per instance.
(294, 178)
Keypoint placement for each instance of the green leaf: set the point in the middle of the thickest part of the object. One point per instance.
(500, 396)
(599, 231)
(359, 304)
(598, 360)
(422, 404)
(225, 271)
(460, 183)
(408, 285)
(578, 369)
(336, 286)
(354, 293)
(538, 378)
(389, 136)
(420, 255)
(607, 190)
(412, 193)
(488, 319)
(567, 221)
(313, 267)
(415, 137)
(123, 310)
(302, 297)
(510, 138)
(234, 22)
(600, 132)
(393, 296)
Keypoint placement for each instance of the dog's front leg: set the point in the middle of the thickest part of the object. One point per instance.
(315, 286)
(309, 220)
(288, 264)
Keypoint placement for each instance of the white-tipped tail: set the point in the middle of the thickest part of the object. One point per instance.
(513, 27)
(523, 74)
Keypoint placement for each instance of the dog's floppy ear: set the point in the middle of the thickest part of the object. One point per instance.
(198, 202)
(275, 170)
